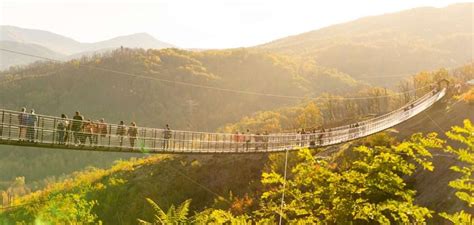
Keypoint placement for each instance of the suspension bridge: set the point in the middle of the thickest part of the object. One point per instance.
(47, 134)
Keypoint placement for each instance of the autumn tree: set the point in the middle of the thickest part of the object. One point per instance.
(464, 185)
(371, 191)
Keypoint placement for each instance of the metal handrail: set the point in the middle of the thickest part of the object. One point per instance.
(45, 133)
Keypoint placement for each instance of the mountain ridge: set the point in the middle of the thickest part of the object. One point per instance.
(70, 46)
(398, 43)
(62, 47)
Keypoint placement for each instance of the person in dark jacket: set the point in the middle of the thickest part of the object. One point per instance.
(121, 131)
(166, 136)
(22, 120)
(76, 127)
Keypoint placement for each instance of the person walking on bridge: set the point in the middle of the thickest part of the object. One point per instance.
(121, 131)
(132, 134)
(76, 127)
(236, 140)
(265, 140)
(103, 131)
(166, 136)
(22, 120)
(303, 137)
(88, 132)
(31, 123)
(62, 126)
(248, 139)
(321, 136)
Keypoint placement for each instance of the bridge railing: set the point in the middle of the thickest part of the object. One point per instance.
(42, 130)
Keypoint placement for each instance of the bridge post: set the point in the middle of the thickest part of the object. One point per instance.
(200, 142)
(207, 141)
(3, 120)
(54, 132)
(10, 126)
(183, 141)
(42, 129)
(186, 141)
(154, 139)
(144, 138)
(110, 135)
(223, 141)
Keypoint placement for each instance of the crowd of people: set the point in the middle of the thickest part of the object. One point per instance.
(27, 122)
(244, 140)
(79, 131)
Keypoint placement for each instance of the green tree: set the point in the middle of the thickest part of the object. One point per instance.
(310, 117)
(465, 184)
(174, 215)
(371, 191)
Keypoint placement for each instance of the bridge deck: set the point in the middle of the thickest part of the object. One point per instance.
(45, 133)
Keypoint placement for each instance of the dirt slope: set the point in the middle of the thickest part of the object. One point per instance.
(432, 187)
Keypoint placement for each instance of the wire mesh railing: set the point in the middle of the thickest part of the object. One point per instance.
(21, 128)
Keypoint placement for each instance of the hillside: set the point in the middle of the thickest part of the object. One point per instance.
(210, 180)
(432, 185)
(53, 88)
(389, 45)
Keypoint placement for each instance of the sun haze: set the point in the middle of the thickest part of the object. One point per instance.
(193, 24)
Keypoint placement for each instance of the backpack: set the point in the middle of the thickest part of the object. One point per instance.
(61, 125)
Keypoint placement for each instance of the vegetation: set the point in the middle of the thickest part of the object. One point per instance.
(39, 167)
(332, 109)
(366, 182)
(174, 215)
(371, 189)
(465, 184)
(469, 96)
(164, 179)
(53, 88)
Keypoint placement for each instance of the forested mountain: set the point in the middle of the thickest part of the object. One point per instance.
(210, 181)
(84, 85)
(89, 86)
(267, 88)
(389, 45)
(236, 185)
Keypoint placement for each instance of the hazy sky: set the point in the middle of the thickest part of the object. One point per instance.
(194, 23)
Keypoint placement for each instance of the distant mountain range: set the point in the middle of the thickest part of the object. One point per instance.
(48, 44)
(379, 49)
(392, 44)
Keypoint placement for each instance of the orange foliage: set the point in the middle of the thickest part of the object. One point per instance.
(469, 96)
(242, 205)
